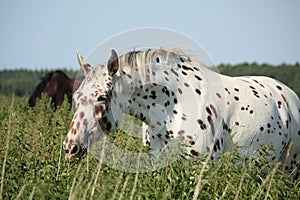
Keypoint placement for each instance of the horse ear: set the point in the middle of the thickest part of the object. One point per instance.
(85, 67)
(113, 63)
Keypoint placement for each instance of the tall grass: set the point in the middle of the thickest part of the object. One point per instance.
(11, 113)
(33, 166)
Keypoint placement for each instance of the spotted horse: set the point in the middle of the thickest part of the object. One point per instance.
(181, 100)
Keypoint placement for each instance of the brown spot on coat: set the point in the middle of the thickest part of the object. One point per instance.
(71, 125)
(211, 123)
(227, 90)
(279, 87)
(73, 131)
(202, 125)
(198, 78)
(208, 111)
(217, 145)
(214, 110)
(194, 153)
(81, 115)
(180, 91)
(85, 122)
(279, 104)
(284, 99)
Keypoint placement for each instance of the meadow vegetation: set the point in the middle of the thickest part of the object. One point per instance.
(33, 166)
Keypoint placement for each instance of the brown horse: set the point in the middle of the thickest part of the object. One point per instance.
(55, 85)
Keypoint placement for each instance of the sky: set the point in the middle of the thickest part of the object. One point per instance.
(37, 34)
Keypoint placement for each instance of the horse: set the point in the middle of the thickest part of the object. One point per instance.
(55, 84)
(183, 102)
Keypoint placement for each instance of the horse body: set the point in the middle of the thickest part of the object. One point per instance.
(184, 103)
(264, 111)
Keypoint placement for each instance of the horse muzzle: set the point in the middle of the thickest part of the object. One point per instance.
(73, 151)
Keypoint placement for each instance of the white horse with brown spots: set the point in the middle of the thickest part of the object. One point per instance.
(183, 102)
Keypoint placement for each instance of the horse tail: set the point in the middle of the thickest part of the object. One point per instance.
(40, 88)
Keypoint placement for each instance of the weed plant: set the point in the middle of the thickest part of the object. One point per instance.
(33, 166)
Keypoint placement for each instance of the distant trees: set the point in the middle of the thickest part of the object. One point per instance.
(287, 74)
(23, 82)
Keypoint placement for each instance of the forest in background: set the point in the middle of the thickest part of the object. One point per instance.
(23, 82)
(286, 73)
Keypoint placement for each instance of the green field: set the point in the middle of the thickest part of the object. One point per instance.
(33, 166)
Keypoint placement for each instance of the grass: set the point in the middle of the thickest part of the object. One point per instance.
(33, 166)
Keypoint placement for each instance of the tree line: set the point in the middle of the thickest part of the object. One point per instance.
(23, 82)
(286, 73)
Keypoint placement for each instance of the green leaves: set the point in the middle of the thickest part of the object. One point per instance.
(35, 166)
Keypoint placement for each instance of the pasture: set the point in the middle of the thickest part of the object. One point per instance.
(33, 166)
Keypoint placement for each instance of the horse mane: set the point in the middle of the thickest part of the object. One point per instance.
(59, 72)
(145, 57)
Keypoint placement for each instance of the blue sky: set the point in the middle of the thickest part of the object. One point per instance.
(47, 34)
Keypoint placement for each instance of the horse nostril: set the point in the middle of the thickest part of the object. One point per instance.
(74, 149)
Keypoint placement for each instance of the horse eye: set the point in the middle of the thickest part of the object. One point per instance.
(102, 98)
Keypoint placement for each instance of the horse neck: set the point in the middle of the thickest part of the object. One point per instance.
(41, 88)
(154, 90)
(158, 91)
(73, 85)
(144, 93)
